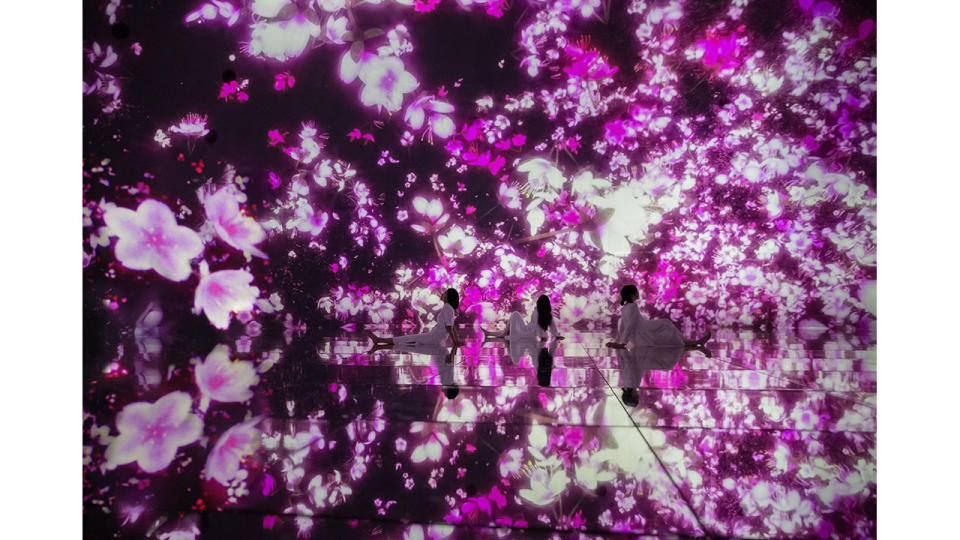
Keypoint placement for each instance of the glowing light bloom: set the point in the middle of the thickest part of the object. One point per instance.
(587, 64)
(151, 433)
(223, 462)
(282, 40)
(743, 102)
(576, 308)
(330, 493)
(221, 379)
(750, 276)
(545, 486)
(222, 293)
(309, 220)
(510, 196)
(433, 211)
(192, 125)
(541, 174)
(380, 311)
(269, 8)
(623, 220)
(233, 226)
(456, 242)
(150, 239)
(385, 82)
(440, 124)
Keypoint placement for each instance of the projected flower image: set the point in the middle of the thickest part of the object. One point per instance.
(275, 178)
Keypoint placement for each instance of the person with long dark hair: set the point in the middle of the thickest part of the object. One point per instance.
(441, 329)
(540, 326)
(643, 332)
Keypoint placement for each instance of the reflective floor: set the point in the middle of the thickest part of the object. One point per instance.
(765, 437)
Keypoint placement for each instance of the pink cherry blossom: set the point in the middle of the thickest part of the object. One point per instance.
(385, 82)
(239, 441)
(151, 433)
(510, 196)
(309, 220)
(150, 239)
(230, 223)
(224, 380)
(222, 293)
(588, 64)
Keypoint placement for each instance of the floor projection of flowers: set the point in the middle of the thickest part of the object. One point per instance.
(263, 181)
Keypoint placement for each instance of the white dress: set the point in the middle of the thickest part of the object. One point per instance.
(636, 329)
(636, 361)
(435, 335)
(528, 330)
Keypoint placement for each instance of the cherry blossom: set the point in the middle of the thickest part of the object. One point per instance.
(545, 486)
(150, 239)
(309, 220)
(282, 40)
(433, 211)
(440, 124)
(222, 293)
(456, 242)
(235, 228)
(385, 82)
(151, 433)
(222, 379)
(231, 447)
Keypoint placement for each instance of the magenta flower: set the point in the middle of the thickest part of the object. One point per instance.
(224, 380)
(588, 64)
(385, 82)
(151, 433)
(233, 226)
(223, 292)
(309, 220)
(150, 239)
(241, 440)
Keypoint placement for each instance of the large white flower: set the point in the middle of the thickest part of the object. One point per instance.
(545, 486)
(150, 239)
(385, 82)
(541, 174)
(223, 293)
(283, 40)
(456, 242)
(622, 218)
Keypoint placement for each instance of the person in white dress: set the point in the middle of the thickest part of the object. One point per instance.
(539, 327)
(442, 357)
(437, 335)
(642, 332)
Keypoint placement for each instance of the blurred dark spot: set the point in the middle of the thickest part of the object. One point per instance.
(229, 75)
(211, 137)
(120, 31)
(601, 491)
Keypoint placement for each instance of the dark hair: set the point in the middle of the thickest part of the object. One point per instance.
(544, 367)
(451, 391)
(630, 397)
(453, 298)
(544, 317)
(627, 293)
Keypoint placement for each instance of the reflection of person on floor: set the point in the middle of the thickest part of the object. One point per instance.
(540, 326)
(636, 361)
(545, 364)
(642, 332)
(442, 357)
(441, 329)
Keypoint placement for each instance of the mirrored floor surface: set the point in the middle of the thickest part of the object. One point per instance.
(760, 436)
